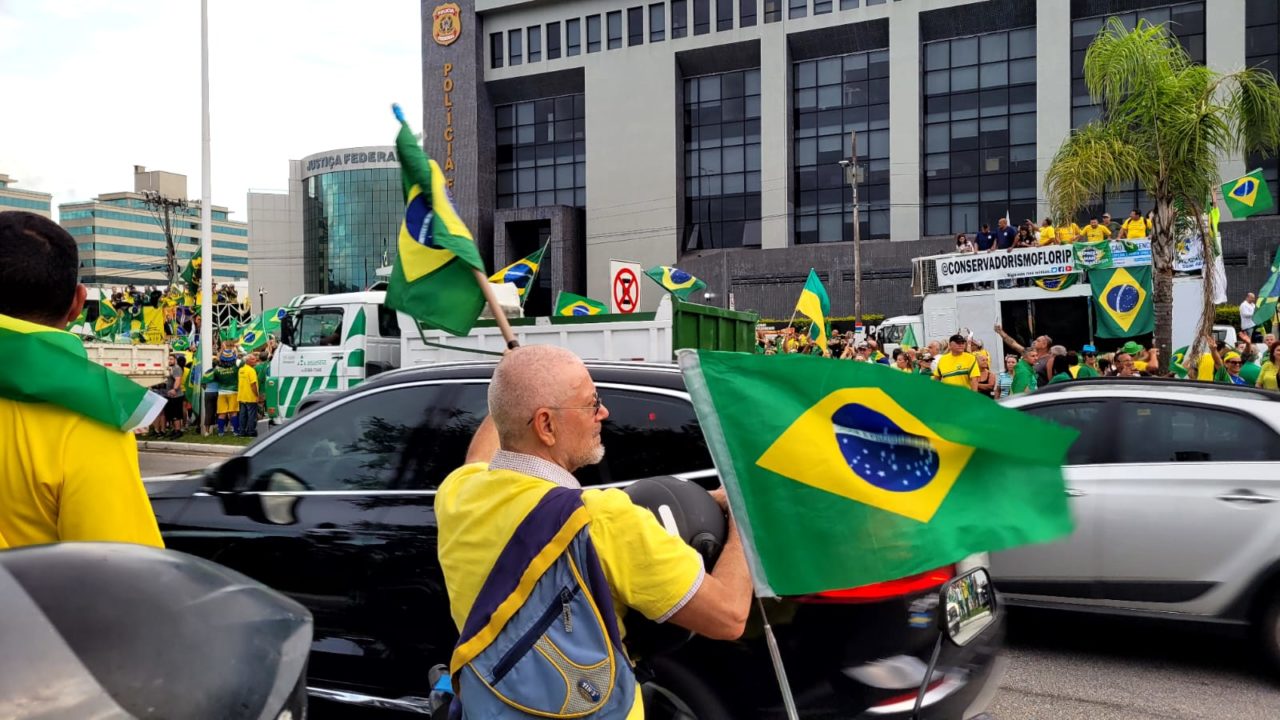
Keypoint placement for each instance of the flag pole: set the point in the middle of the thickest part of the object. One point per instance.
(207, 330)
(775, 656)
(498, 315)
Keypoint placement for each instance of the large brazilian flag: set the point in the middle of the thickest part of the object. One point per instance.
(845, 474)
(1124, 302)
(433, 279)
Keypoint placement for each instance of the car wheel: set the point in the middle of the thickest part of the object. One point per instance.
(675, 693)
(1269, 631)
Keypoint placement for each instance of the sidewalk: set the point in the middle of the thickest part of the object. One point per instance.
(184, 448)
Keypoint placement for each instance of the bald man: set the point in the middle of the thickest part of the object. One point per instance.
(544, 423)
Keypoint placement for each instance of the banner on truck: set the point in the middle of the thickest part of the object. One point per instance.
(991, 266)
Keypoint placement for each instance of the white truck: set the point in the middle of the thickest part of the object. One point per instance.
(334, 342)
(1066, 315)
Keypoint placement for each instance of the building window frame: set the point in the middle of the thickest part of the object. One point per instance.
(701, 17)
(515, 53)
(533, 52)
(613, 25)
(635, 26)
(746, 13)
(553, 40)
(573, 37)
(657, 22)
(593, 34)
(497, 41)
(724, 15)
(679, 19)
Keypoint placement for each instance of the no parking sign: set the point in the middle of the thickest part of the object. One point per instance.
(624, 286)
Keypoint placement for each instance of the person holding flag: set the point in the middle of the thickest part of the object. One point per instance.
(68, 459)
(815, 305)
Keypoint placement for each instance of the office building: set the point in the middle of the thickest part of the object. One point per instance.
(122, 239)
(707, 133)
(15, 198)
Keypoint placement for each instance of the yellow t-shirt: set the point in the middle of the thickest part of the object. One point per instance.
(1136, 228)
(1094, 234)
(1205, 370)
(1047, 235)
(64, 477)
(478, 509)
(956, 369)
(1069, 233)
(1267, 377)
(247, 382)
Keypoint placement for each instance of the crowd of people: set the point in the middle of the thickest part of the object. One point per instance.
(234, 393)
(962, 360)
(1029, 234)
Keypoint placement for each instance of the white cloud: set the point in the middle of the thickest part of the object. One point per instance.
(91, 88)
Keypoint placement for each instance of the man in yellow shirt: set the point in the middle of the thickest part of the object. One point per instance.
(249, 395)
(957, 367)
(1095, 232)
(63, 476)
(1136, 227)
(1047, 234)
(544, 422)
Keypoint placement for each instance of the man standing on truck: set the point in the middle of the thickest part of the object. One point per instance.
(1024, 374)
(544, 422)
(63, 475)
(958, 367)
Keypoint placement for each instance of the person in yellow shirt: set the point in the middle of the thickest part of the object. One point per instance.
(544, 422)
(1047, 234)
(1095, 232)
(1136, 227)
(63, 475)
(249, 395)
(1267, 378)
(958, 367)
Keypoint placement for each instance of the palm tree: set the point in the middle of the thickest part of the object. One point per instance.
(1165, 120)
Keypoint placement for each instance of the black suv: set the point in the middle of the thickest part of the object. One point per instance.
(335, 510)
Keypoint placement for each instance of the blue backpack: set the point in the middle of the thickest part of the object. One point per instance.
(541, 639)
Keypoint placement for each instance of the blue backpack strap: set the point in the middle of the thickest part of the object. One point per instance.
(537, 542)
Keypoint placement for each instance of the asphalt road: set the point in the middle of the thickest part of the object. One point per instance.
(163, 463)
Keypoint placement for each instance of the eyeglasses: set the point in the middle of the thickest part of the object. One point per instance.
(1233, 362)
(594, 407)
(1089, 355)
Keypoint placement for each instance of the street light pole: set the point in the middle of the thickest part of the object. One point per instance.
(262, 302)
(853, 173)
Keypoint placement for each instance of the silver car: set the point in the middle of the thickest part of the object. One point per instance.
(1174, 487)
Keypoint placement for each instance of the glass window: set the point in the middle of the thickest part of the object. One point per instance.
(360, 445)
(545, 131)
(722, 159)
(514, 52)
(724, 15)
(318, 327)
(647, 435)
(635, 26)
(1095, 443)
(821, 7)
(535, 43)
(495, 50)
(1262, 50)
(388, 322)
(746, 13)
(679, 18)
(657, 22)
(797, 8)
(848, 4)
(573, 36)
(593, 33)
(553, 40)
(614, 20)
(1163, 432)
(701, 17)
(772, 11)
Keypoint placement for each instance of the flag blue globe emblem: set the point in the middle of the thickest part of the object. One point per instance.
(679, 276)
(1244, 189)
(250, 337)
(1123, 298)
(417, 220)
(581, 310)
(882, 453)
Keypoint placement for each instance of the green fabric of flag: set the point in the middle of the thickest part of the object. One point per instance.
(1056, 283)
(61, 374)
(675, 281)
(1247, 195)
(255, 335)
(433, 279)
(909, 338)
(844, 474)
(191, 273)
(521, 273)
(815, 305)
(1124, 304)
(570, 305)
(108, 323)
(1092, 255)
(1269, 294)
(80, 320)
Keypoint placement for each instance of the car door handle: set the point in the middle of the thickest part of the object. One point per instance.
(1247, 496)
(1072, 492)
(337, 356)
(328, 531)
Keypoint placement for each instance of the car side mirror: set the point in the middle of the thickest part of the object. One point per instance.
(968, 606)
(231, 476)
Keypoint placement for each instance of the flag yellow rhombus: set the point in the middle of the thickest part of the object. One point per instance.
(1123, 298)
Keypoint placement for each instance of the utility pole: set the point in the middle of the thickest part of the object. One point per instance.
(853, 174)
(262, 301)
(162, 207)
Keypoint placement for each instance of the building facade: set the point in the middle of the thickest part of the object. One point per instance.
(350, 203)
(276, 264)
(121, 235)
(708, 132)
(15, 198)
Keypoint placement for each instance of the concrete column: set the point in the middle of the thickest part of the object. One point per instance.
(776, 202)
(1053, 90)
(904, 122)
(1224, 52)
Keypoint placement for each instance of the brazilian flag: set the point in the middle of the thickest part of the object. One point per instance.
(675, 281)
(521, 273)
(849, 475)
(433, 279)
(1056, 283)
(1124, 301)
(191, 274)
(1247, 195)
(1269, 294)
(815, 305)
(571, 305)
(255, 336)
(108, 323)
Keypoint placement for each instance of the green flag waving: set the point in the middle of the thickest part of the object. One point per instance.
(570, 305)
(815, 305)
(1247, 195)
(433, 278)
(108, 322)
(1269, 294)
(849, 475)
(1123, 300)
(191, 273)
(256, 334)
(64, 376)
(1091, 255)
(675, 281)
(909, 337)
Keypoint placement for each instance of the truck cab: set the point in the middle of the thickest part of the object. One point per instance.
(331, 342)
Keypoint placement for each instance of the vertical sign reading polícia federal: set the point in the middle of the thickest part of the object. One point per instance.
(446, 27)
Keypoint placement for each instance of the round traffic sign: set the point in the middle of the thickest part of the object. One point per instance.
(626, 291)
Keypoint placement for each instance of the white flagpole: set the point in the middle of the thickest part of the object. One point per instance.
(775, 655)
(207, 331)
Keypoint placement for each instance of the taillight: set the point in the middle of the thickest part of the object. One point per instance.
(885, 590)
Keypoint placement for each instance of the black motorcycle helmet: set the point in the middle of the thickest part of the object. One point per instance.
(108, 630)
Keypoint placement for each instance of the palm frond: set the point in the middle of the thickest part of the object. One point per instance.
(1093, 157)
(1253, 111)
(1123, 64)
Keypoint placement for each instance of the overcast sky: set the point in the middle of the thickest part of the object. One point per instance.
(90, 88)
